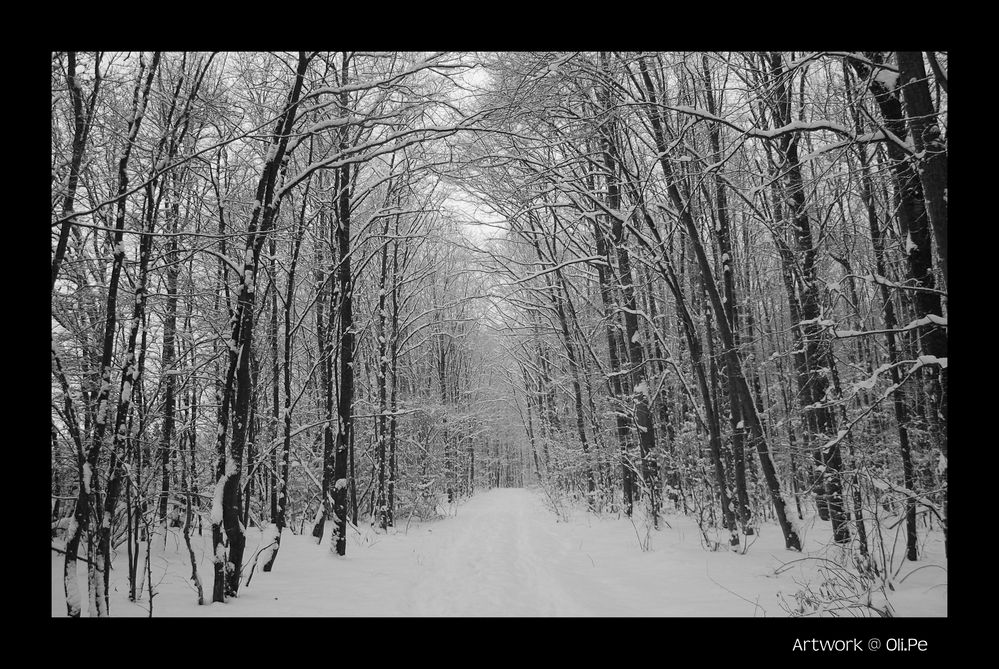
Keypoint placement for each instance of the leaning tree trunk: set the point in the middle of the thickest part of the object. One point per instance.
(724, 236)
(82, 122)
(791, 539)
(819, 419)
(225, 513)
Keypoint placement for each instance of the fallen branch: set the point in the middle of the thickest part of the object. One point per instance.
(254, 561)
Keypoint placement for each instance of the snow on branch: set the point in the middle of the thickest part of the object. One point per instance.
(774, 133)
(929, 319)
(886, 485)
(922, 361)
(556, 268)
(878, 279)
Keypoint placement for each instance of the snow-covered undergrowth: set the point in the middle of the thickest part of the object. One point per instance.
(504, 554)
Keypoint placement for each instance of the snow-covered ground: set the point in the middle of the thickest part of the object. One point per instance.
(503, 553)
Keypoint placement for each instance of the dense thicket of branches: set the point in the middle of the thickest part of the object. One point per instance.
(317, 289)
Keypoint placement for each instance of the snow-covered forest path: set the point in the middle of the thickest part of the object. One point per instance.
(499, 556)
(502, 553)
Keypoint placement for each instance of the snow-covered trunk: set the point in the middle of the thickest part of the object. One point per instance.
(323, 300)
(226, 511)
(345, 334)
(931, 152)
(529, 423)
(188, 519)
(168, 361)
(224, 398)
(275, 385)
(394, 368)
(220, 559)
(352, 480)
(252, 456)
(70, 584)
(282, 483)
(381, 501)
(230, 483)
(345, 404)
(445, 434)
(930, 145)
(95, 577)
(78, 521)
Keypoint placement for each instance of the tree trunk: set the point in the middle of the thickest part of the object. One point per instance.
(346, 341)
(229, 567)
(82, 122)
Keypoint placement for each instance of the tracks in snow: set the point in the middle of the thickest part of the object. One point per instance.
(498, 557)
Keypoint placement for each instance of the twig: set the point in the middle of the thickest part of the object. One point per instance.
(756, 603)
(902, 580)
(784, 565)
(59, 550)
